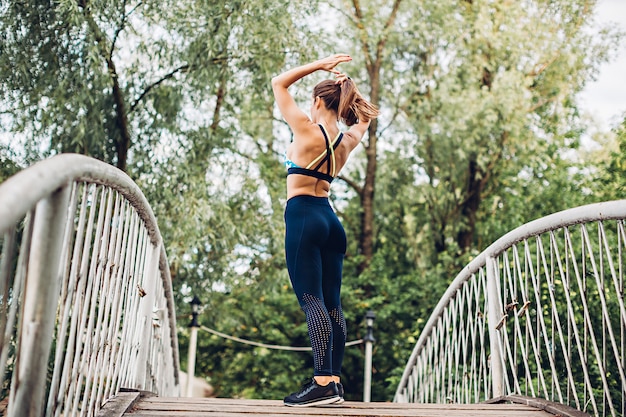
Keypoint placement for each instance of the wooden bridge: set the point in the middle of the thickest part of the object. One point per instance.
(534, 326)
(147, 405)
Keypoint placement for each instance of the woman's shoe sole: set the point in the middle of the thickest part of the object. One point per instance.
(321, 401)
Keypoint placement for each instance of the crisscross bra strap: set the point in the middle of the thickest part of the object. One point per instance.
(310, 173)
(327, 156)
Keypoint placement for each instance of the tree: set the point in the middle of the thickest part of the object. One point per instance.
(103, 79)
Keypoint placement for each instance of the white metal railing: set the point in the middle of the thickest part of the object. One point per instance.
(540, 313)
(86, 304)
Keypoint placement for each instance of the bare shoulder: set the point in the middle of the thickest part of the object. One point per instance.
(355, 134)
(306, 132)
(351, 139)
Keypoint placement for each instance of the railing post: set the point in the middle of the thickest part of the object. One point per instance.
(369, 341)
(495, 311)
(193, 344)
(41, 293)
(143, 380)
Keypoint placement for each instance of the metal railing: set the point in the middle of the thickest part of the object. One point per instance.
(539, 313)
(86, 304)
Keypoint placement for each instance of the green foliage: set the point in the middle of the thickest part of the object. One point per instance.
(495, 106)
(614, 173)
(50, 62)
(8, 166)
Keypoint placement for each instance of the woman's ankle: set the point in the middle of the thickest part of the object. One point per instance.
(323, 380)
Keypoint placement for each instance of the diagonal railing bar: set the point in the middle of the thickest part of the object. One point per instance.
(542, 326)
(621, 238)
(86, 297)
(540, 312)
(67, 292)
(617, 281)
(513, 355)
(7, 311)
(13, 285)
(581, 344)
(563, 339)
(598, 272)
(590, 333)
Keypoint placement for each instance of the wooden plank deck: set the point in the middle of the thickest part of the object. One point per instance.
(214, 407)
(134, 405)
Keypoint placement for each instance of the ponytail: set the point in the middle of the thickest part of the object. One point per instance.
(346, 100)
(353, 107)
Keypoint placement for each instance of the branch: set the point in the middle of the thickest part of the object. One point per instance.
(352, 184)
(123, 144)
(396, 113)
(541, 104)
(161, 80)
(122, 24)
(392, 16)
(171, 74)
(540, 68)
(587, 9)
(342, 12)
(358, 18)
(487, 173)
(219, 100)
(401, 108)
(383, 40)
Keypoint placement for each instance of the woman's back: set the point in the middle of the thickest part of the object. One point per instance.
(324, 150)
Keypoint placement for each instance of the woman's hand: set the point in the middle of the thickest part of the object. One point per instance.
(341, 78)
(296, 118)
(329, 63)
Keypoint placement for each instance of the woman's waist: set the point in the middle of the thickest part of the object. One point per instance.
(307, 186)
(308, 200)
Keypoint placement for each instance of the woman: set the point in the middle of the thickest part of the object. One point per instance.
(315, 241)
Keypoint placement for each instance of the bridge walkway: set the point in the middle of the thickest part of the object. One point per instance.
(135, 404)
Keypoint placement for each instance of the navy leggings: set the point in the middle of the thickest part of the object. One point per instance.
(315, 244)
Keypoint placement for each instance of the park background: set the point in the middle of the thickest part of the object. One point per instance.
(492, 115)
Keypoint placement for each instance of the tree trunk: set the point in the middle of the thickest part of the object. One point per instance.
(476, 180)
(366, 241)
(374, 60)
(123, 141)
(470, 206)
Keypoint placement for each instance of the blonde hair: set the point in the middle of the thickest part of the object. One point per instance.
(346, 100)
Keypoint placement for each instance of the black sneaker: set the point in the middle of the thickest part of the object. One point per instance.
(313, 394)
(340, 391)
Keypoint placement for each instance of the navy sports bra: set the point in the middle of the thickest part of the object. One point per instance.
(327, 156)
